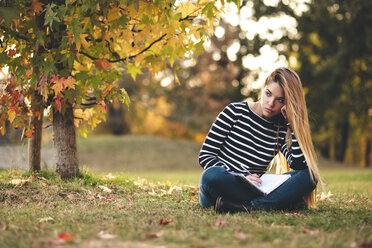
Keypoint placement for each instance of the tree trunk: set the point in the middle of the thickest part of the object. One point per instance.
(65, 142)
(340, 153)
(367, 152)
(34, 143)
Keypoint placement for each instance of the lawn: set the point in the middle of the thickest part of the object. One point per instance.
(160, 209)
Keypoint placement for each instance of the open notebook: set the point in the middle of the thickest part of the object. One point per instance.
(269, 182)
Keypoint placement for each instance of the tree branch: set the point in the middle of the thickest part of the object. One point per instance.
(124, 59)
(15, 34)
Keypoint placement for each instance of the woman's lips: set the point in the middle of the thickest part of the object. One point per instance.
(268, 110)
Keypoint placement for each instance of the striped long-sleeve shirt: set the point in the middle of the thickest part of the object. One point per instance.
(242, 141)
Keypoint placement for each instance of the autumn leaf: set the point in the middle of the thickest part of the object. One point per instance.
(106, 235)
(165, 221)
(29, 131)
(11, 52)
(58, 104)
(46, 219)
(220, 223)
(133, 70)
(69, 82)
(113, 14)
(104, 64)
(20, 182)
(67, 237)
(11, 115)
(105, 189)
(36, 7)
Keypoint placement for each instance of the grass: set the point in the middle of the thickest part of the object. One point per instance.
(44, 211)
(134, 208)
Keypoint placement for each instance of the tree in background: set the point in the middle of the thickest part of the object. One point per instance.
(326, 42)
(332, 53)
(65, 56)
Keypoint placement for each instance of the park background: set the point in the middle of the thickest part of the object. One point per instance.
(158, 136)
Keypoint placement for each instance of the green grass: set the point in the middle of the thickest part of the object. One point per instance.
(134, 207)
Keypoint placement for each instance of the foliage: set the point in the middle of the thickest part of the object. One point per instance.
(124, 211)
(71, 52)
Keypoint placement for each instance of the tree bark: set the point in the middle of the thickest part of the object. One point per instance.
(340, 153)
(367, 153)
(34, 143)
(65, 142)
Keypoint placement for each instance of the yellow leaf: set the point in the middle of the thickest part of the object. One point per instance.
(187, 8)
(113, 14)
(11, 115)
(133, 70)
(83, 40)
(70, 82)
(78, 45)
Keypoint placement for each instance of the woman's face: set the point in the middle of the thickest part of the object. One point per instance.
(272, 100)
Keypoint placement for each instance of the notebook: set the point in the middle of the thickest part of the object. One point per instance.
(269, 182)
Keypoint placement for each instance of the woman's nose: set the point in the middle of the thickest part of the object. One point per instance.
(271, 102)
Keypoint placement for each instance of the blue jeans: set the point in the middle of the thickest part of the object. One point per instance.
(217, 182)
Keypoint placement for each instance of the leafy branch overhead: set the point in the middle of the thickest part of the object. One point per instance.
(70, 52)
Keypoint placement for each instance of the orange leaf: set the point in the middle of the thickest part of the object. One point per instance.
(104, 64)
(69, 83)
(165, 222)
(29, 132)
(36, 7)
(65, 237)
(11, 52)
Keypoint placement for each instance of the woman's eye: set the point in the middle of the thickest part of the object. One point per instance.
(281, 100)
(267, 93)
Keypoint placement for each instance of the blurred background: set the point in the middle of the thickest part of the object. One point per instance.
(329, 44)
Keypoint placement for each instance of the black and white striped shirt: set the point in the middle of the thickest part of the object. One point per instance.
(242, 141)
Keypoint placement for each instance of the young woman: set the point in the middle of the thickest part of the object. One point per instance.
(245, 138)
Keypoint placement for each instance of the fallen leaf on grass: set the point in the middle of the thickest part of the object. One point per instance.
(165, 221)
(19, 182)
(109, 177)
(46, 219)
(363, 199)
(220, 223)
(311, 232)
(362, 245)
(176, 188)
(67, 237)
(325, 196)
(154, 235)
(102, 203)
(105, 189)
(106, 235)
(61, 239)
(242, 236)
(297, 214)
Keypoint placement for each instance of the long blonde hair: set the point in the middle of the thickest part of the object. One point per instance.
(299, 122)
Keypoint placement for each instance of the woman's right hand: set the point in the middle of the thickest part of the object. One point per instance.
(255, 179)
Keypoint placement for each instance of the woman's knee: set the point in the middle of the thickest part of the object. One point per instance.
(212, 175)
(307, 178)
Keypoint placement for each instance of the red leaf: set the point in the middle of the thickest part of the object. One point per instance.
(58, 104)
(65, 237)
(11, 52)
(165, 222)
(104, 64)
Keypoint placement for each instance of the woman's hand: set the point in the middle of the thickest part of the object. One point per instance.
(284, 112)
(255, 179)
